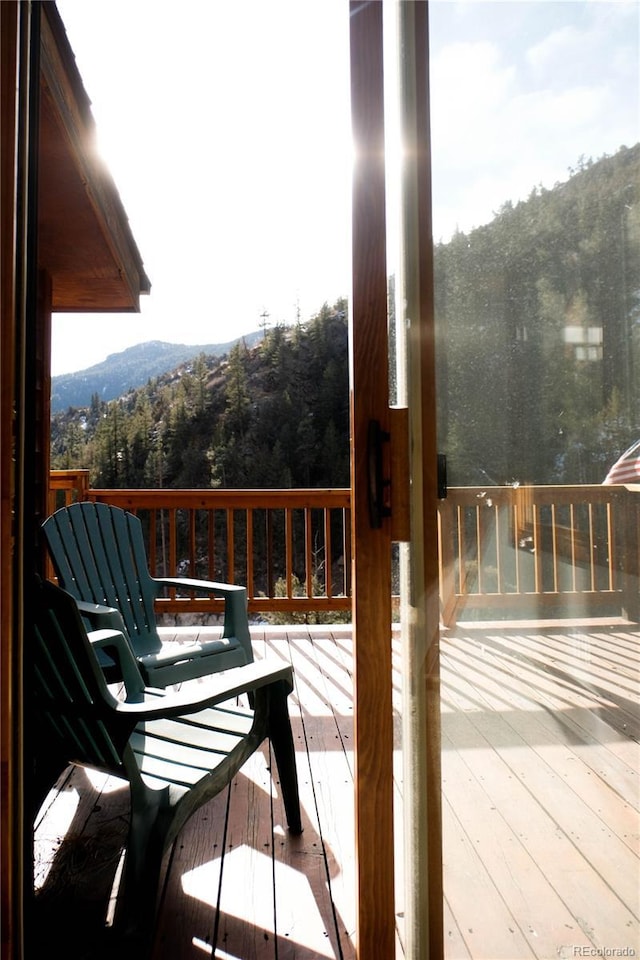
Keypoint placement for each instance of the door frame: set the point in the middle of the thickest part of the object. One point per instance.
(408, 466)
(371, 545)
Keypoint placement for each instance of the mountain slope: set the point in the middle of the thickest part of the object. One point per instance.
(128, 369)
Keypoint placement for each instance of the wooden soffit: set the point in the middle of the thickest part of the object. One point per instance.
(85, 242)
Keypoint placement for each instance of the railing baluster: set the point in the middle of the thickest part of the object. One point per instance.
(514, 509)
(231, 562)
(211, 544)
(592, 567)
(628, 529)
(152, 548)
(574, 558)
(537, 550)
(498, 522)
(479, 553)
(269, 551)
(328, 565)
(250, 577)
(192, 543)
(308, 552)
(612, 559)
(554, 548)
(346, 551)
(288, 541)
(173, 548)
(462, 579)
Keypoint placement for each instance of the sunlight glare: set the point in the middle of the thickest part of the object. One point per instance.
(51, 830)
(105, 782)
(206, 947)
(299, 918)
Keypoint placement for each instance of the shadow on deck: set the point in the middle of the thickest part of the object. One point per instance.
(540, 806)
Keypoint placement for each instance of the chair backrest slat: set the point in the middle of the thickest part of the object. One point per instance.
(92, 556)
(99, 556)
(129, 566)
(66, 552)
(71, 700)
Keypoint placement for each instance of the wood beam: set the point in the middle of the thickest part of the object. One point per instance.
(375, 934)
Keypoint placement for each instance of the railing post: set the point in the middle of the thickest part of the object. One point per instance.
(630, 504)
(448, 604)
(82, 484)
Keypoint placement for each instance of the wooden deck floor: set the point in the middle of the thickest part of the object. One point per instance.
(540, 804)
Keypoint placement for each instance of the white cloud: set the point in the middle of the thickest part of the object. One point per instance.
(537, 87)
(566, 42)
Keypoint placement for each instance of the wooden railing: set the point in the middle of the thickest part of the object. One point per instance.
(521, 552)
(290, 548)
(539, 551)
(66, 486)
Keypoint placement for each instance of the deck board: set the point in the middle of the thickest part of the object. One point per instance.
(322, 695)
(307, 917)
(540, 765)
(578, 823)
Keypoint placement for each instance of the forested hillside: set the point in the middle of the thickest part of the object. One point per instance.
(538, 332)
(538, 344)
(275, 415)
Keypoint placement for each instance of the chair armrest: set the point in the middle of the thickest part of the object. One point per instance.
(205, 586)
(116, 645)
(236, 622)
(217, 688)
(99, 616)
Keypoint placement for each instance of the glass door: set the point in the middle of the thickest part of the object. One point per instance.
(524, 375)
(536, 226)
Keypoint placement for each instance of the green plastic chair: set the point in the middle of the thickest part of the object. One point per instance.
(99, 557)
(176, 749)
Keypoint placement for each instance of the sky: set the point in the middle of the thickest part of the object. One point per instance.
(226, 128)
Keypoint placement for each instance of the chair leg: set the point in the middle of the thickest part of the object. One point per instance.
(282, 742)
(145, 848)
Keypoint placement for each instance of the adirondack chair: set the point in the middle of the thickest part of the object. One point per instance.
(176, 749)
(99, 557)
